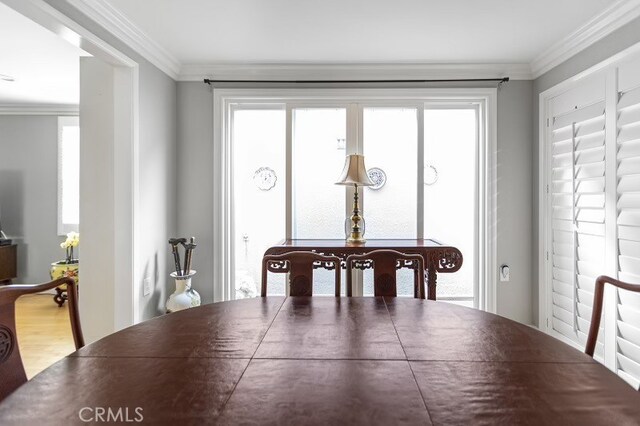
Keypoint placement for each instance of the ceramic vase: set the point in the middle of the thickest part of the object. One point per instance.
(184, 297)
(63, 269)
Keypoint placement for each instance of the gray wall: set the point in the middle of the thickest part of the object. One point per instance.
(157, 168)
(615, 42)
(195, 179)
(158, 174)
(195, 159)
(29, 192)
(514, 199)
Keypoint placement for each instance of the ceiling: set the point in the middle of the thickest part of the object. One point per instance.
(45, 67)
(356, 31)
(190, 39)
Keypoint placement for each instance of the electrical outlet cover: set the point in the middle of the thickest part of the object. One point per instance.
(505, 273)
(146, 290)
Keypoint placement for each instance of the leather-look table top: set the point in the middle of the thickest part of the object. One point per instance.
(324, 361)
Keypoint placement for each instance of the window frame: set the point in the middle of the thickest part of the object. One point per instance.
(64, 121)
(355, 100)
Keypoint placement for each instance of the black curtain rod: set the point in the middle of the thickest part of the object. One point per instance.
(498, 80)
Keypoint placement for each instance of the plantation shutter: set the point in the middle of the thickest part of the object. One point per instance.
(577, 201)
(628, 228)
(593, 212)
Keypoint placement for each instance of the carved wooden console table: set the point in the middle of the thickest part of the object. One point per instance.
(438, 257)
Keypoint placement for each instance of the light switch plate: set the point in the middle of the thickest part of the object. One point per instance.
(146, 286)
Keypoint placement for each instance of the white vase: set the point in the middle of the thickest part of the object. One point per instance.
(184, 297)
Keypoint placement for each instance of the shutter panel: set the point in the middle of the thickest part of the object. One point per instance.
(594, 208)
(577, 218)
(628, 226)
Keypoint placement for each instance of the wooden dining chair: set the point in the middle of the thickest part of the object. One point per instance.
(385, 263)
(12, 371)
(299, 265)
(598, 296)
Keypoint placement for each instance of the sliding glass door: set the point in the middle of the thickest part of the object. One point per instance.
(318, 146)
(287, 158)
(451, 192)
(259, 167)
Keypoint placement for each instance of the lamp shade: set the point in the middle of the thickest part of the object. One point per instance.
(354, 173)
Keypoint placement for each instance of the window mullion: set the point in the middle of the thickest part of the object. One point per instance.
(420, 165)
(354, 145)
(289, 171)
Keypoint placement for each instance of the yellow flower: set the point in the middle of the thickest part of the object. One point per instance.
(73, 239)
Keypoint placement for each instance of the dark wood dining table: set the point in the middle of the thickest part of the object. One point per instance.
(328, 361)
(438, 257)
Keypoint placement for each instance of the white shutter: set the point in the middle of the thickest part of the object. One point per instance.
(628, 222)
(593, 212)
(577, 200)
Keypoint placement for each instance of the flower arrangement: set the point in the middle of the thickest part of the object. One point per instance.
(73, 239)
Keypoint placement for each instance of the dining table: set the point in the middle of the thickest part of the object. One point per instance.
(326, 361)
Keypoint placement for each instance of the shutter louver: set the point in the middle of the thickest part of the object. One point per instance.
(628, 223)
(578, 218)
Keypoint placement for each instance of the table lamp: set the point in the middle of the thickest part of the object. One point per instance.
(355, 173)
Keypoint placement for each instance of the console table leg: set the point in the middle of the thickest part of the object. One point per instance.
(60, 296)
(431, 283)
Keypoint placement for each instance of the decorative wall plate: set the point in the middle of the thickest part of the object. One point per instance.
(378, 177)
(265, 178)
(430, 175)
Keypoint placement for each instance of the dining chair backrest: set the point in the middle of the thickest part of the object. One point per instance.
(598, 296)
(385, 263)
(299, 265)
(12, 371)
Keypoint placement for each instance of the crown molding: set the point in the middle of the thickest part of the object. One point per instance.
(603, 24)
(308, 71)
(38, 109)
(126, 31)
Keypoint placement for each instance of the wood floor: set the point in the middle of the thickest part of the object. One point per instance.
(44, 332)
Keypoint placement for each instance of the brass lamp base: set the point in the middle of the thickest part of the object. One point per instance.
(356, 239)
(355, 224)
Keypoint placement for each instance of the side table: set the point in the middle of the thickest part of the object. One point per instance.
(61, 269)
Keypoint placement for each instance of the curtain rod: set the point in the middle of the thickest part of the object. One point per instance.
(498, 80)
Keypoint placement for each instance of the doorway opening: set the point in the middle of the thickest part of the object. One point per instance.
(110, 301)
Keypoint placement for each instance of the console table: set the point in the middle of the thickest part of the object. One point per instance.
(438, 257)
(8, 263)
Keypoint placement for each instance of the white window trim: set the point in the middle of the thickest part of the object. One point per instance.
(487, 157)
(63, 121)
